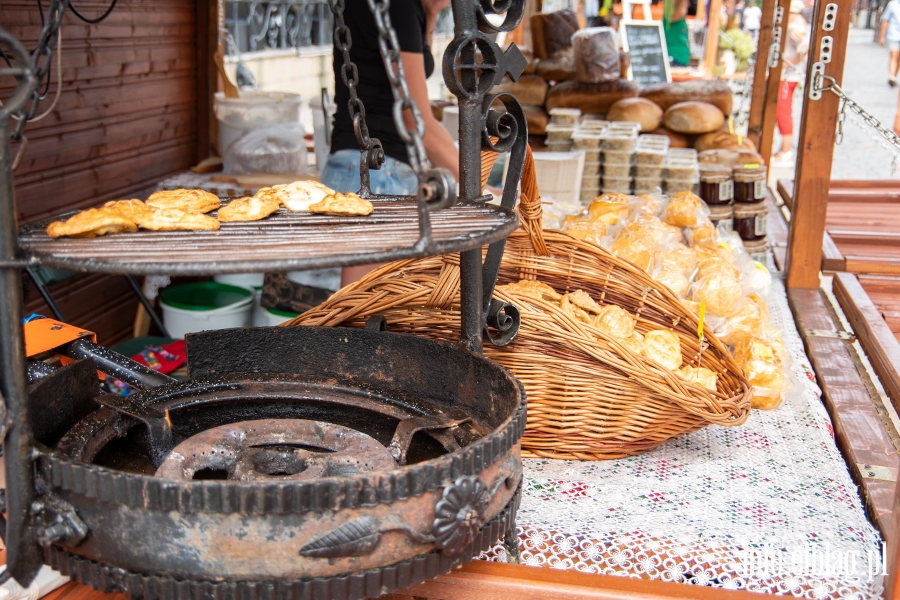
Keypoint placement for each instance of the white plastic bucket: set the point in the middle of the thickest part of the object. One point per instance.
(272, 318)
(247, 280)
(253, 110)
(194, 307)
(319, 125)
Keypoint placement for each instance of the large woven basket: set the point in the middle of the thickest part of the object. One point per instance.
(589, 397)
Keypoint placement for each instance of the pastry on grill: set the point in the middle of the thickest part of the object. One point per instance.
(127, 208)
(172, 219)
(190, 201)
(342, 205)
(297, 196)
(90, 223)
(248, 209)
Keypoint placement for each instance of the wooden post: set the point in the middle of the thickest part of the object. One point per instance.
(892, 556)
(711, 54)
(816, 149)
(758, 93)
(773, 81)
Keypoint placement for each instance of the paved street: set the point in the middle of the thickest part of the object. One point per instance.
(865, 81)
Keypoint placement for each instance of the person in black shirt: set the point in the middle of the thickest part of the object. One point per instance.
(414, 22)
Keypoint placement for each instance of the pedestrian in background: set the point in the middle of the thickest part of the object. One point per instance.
(795, 50)
(890, 37)
(752, 20)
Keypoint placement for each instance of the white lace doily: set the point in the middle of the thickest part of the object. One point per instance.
(695, 509)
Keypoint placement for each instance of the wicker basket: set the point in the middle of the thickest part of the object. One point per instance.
(589, 397)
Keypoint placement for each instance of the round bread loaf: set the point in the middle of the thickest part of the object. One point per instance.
(560, 68)
(537, 119)
(729, 158)
(676, 140)
(718, 140)
(693, 117)
(590, 98)
(639, 110)
(717, 93)
(529, 89)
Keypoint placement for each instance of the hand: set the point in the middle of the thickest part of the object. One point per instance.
(881, 41)
(433, 7)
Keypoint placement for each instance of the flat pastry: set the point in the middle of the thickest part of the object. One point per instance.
(297, 196)
(531, 289)
(127, 208)
(248, 209)
(172, 219)
(90, 223)
(343, 205)
(191, 201)
(583, 300)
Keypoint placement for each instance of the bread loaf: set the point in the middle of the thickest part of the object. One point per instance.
(624, 63)
(537, 119)
(693, 117)
(560, 68)
(722, 140)
(596, 53)
(639, 110)
(590, 98)
(529, 89)
(717, 93)
(676, 140)
(552, 32)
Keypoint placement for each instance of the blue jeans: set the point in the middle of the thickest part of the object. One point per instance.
(341, 173)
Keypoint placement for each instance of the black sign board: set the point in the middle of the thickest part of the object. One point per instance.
(645, 43)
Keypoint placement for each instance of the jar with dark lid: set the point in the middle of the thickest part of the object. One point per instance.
(749, 183)
(715, 184)
(758, 250)
(722, 213)
(750, 221)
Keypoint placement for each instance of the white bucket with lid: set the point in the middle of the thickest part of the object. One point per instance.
(205, 306)
(253, 110)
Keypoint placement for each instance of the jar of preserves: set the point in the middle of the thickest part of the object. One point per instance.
(716, 185)
(750, 221)
(749, 183)
(722, 213)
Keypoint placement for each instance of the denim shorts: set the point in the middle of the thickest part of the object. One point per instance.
(341, 173)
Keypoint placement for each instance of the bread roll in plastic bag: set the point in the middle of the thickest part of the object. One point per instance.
(276, 148)
(596, 54)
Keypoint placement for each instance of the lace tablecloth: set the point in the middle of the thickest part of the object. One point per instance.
(768, 506)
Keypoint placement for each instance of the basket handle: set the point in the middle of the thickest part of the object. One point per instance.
(530, 211)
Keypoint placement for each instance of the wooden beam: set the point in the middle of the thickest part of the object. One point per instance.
(874, 335)
(862, 429)
(777, 230)
(786, 191)
(832, 258)
(815, 151)
(711, 52)
(773, 82)
(760, 71)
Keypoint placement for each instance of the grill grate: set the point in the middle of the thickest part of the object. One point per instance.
(282, 242)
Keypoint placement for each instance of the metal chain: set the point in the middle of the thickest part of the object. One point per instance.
(390, 53)
(42, 60)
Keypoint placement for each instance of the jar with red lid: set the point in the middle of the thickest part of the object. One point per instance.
(749, 183)
(716, 185)
(750, 221)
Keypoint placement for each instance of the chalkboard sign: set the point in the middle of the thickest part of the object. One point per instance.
(645, 43)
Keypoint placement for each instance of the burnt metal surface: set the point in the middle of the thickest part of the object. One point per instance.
(63, 397)
(117, 365)
(285, 241)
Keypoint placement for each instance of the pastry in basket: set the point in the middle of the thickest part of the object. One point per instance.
(699, 375)
(297, 196)
(531, 289)
(574, 311)
(172, 219)
(127, 208)
(248, 209)
(635, 343)
(343, 205)
(191, 201)
(90, 223)
(663, 347)
(582, 300)
(721, 292)
(682, 210)
(615, 321)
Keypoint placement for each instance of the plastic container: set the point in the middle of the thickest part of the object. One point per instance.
(620, 140)
(270, 317)
(247, 280)
(616, 185)
(320, 139)
(586, 140)
(193, 307)
(253, 110)
(653, 141)
(722, 213)
(684, 170)
(645, 171)
(680, 185)
(749, 184)
(650, 157)
(716, 186)
(617, 171)
(559, 174)
(689, 153)
(618, 158)
(750, 221)
(559, 146)
(559, 133)
(647, 185)
(588, 194)
(633, 126)
(591, 169)
(591, 156)
(564, 117)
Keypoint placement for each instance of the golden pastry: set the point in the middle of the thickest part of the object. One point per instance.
(614, 197)
(583, 300)
(704, 234)
(172, 219)
(754, 348)
(248, 209)
(663, 347)
(671, 276)
(577, 313)
(645, 206)
(298, 196)
(679, 257)
(636, 244)
(682, 210)
(191, 201)
(768, 381)
(127, 208)
(584, 230)
(343, 205)
(748, 321)
(635, 343)
(699, 375)
(607, 212)
(92, 222)
(720, 291)
(531, 289)
(615, 321)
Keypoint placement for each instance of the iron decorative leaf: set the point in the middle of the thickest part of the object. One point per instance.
(355, 538)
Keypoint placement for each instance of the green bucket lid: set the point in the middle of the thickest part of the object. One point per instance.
(204, 296)
(283, 313)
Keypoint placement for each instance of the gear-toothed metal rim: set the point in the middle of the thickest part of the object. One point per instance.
(327, 494)
(367, 584)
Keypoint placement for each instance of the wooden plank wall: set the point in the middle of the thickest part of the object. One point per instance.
(127, 117)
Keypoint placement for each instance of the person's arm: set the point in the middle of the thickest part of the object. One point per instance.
(884, 25)
(439, 145)
(679, 11)
(432, 10)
